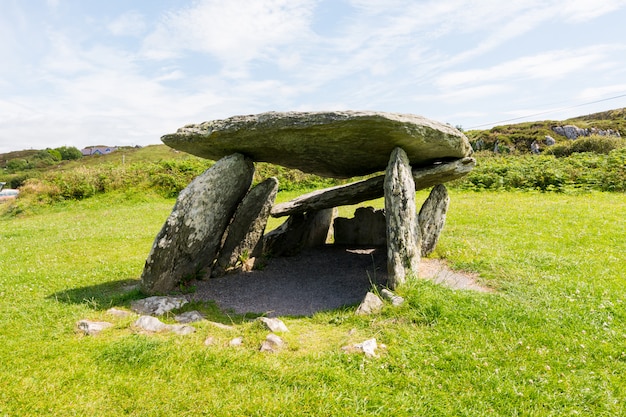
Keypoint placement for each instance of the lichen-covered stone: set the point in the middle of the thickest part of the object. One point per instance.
(371, 188)
(191, 236)
(337, 144)
(432, 217)
(403, 233)
(243, 238)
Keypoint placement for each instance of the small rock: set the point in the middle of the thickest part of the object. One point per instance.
(221, 326)
(157, 305)
(371, 304)
(238, 341)
(209, 341)
(118, 313)
(367, 347)
(272, 343)
(394, 299)
(151, 324)
(182, 329)
(274, 325)
(92, 328)
(189, 317)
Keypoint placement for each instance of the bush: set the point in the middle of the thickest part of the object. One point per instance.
(69, 153)
(596, 144)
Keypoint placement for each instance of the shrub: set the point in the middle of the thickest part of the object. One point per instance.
(596, 144)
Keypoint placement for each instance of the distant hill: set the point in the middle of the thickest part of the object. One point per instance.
(25, 154)
(518, 137)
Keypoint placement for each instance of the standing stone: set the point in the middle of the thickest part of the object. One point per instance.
(191, 236)
(367, 228)
(432, 217)
(403, 233)
(245, 232)
(299, 232)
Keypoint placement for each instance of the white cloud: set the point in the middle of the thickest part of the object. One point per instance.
(131, 23)
(584, 10)
(234, 32)
(602, 92)
(547, 65)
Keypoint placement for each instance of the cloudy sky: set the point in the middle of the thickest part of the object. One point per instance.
(122, 72)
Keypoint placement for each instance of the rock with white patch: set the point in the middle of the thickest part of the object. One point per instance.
(157, 305)
(191, 236)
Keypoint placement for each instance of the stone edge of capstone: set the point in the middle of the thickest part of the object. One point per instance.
(294, 118)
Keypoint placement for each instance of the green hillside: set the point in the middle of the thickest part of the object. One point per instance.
(518, 137)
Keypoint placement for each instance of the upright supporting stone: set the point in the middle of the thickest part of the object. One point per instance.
(403, 233)
(191, 236)
(368, 227)
(244, 235)
(300, 231)
(432, 217)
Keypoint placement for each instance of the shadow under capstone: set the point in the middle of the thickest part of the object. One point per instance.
(318, 279)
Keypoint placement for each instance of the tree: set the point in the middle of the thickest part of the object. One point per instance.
(69, 153)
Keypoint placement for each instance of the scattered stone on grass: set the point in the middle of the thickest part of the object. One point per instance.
(182, 329)
(209, 341)
(238, 341)
(92, 328)
(152, 324)
(368, 347)
(118, 313)
(394, 299)
(273, 324)
(157, 305)
(189, 317)
(221, 325)
(371, 304)
(272, 343)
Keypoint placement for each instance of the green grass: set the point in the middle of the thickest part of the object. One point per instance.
(550, 342)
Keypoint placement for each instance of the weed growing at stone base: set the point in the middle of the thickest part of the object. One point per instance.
(551, 341)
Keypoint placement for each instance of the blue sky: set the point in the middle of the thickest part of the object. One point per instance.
(122, 72)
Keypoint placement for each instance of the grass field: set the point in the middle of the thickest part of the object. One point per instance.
(551, 341)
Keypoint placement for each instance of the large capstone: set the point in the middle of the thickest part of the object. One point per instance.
(337, 144)
(403, 233)
(191, 236)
